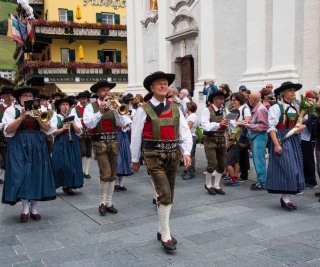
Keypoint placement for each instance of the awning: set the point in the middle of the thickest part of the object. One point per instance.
(75, 88)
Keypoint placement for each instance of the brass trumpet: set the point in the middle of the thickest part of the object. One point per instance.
(114, 104)
(43, 116)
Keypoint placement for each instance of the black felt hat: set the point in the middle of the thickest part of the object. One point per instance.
(158, 75)
(83, 95)
(103, 83)
(43, 96)
(58, 102)
(25, 89)
(287, 85)
(215, 94)
(57, 94)
(6, 89)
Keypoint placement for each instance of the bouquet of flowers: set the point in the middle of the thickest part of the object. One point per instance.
(307, 106)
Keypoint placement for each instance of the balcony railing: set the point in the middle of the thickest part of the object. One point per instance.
(67, 31)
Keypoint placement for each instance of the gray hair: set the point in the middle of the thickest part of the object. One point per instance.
(185, 92)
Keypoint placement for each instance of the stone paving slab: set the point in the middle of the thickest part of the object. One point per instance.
(241, 229)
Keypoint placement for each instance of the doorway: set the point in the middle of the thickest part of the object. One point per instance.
(187, 73)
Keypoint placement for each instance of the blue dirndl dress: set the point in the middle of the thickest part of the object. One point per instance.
(285, 171)
(124, 155)
(66, 161)
(28, 170)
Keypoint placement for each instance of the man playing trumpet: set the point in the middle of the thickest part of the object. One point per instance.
(103, 121)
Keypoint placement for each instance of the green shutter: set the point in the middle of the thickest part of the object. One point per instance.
(70, 15)
(101, 56)
(116, 19)
(72, 55)
(118, 56)
(99, 17)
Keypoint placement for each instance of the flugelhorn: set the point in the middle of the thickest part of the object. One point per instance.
(114, 104)
(32, 108)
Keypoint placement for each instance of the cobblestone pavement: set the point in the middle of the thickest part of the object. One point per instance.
(242, 228)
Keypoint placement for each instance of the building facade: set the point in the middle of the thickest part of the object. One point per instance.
(235, 42)
(76, 44)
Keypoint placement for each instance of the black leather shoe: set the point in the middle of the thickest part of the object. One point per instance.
(24, 217)
(35, 217)
(169, 245)
(154, 201)
(87, 176)
(317, 194)
(172, 238)
(103, 209)
(219, 191)
(285, 205)
(122, 188)
(112, 209)
(293, 206)
(210, 190)
(68, 191)
(116, 187)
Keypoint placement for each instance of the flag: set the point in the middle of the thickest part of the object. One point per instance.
(22, 29)
(9, 32)
(30, 31)
(15, 30)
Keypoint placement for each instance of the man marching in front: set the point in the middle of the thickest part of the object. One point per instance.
(162, 127)
(102, 120)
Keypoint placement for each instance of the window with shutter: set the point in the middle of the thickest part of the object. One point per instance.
(107, 18)
(72, 55)
(116, 19)
(63, 15)
(70, 15)
(118, 56)
(101, 56)
(99, 17)
(64, 54)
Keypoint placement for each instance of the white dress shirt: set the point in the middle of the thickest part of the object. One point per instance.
(54, 121)
(1, 123)
(274, 115)
(139, 119)
(205, 120)
(91, 119)
(9, 116)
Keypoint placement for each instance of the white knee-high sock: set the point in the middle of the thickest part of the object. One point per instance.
(208, 179)
(103, 192)
(83, 164)
(25, 206)
(164, 214)
(120, 178)
(285, 198)
(217, 179)
(155, 195)
(34, 205)
(110, 189)
(87, 165)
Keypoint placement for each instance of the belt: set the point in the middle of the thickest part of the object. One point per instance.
(160, 145)
(213, 134)
(105, 137)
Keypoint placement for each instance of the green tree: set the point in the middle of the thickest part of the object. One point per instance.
(3, 27)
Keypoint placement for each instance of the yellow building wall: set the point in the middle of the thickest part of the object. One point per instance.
(90, 48)
(88, 11)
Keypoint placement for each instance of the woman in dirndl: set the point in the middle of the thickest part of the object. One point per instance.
(124, 155)
(28, 176)
(285, 168)
(66, 154)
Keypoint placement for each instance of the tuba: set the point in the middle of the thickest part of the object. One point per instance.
(114, 104)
